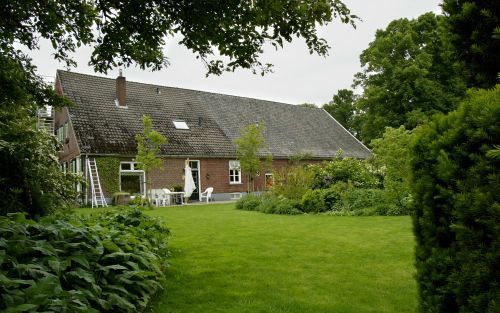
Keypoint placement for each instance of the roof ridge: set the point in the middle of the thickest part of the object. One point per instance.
(188, 89)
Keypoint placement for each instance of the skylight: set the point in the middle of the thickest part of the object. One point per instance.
(180, 125)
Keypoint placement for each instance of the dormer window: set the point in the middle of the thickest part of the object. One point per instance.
(180, 124)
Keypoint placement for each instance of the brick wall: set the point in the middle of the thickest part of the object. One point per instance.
(213, 173)
(70, 148)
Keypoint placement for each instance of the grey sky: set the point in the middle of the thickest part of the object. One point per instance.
(298, 76)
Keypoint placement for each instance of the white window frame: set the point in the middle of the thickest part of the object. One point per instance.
(134, 170)
(234, 172)
(179, 124)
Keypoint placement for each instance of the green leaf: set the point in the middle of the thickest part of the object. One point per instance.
(21, 308)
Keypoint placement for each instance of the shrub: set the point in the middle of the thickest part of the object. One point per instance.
(313, 201)
(354, 199)
(333, 195)
(292, 182)
(269, 204)
(288, 206)
(112, 262)
(347, 170)
(457, 207)
(250, 202)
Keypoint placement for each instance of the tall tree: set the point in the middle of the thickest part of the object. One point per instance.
(247, 151)
(343, 109)
(149, 143)
(475, 26)
(410, 73)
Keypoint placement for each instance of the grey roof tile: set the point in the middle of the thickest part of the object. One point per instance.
(215, 120)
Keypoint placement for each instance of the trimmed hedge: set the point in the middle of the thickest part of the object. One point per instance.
(113, 262)
(456, 189)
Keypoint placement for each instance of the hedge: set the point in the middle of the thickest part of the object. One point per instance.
(456, 189)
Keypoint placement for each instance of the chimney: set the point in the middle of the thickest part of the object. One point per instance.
(121, 90)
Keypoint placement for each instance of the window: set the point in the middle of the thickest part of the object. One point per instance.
(180, 125)
(62, 133)
(132, 178)
(269, 181)
(234, 172)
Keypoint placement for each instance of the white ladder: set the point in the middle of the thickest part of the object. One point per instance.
(95, 184)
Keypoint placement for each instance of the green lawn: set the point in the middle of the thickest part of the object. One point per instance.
(225, 260)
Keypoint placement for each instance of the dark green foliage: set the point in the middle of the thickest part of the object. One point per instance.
(357, 199)
(410, 73)
(113, 262)
(457, 207)
(136, 31)
(333, 195)
(30, 178)
(475, 30)
(109, 173)
(249, 202)
(356, 172)
(343, 109)
(313, 201)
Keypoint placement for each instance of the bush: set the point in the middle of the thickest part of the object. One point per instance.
(269, 204)
(457, 207)
(250, 202)
(292, 182)
(112, 262)
(347, 170)
(288, 206)
(313, 201)
(333, 195)
(355, 199)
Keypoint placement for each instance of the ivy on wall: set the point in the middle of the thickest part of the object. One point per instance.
(109, 173)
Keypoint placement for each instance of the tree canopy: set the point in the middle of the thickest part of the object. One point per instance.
(410, 72)
(475, 29)
(343, 109)
(122, 32)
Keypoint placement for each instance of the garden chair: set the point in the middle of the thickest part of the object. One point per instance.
(156, 197)
(166, 196)
(207, 194)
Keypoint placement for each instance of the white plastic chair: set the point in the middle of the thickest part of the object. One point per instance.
(207, 194)
(166, 196)
(156, 197)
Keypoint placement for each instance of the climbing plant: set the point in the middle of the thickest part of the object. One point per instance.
(109, 173)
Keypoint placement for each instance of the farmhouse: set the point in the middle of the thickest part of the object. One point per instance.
(200, 127)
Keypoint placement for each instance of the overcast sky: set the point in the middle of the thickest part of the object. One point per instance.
(298, 76)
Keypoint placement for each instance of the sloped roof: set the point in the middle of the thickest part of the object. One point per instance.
(214, 120)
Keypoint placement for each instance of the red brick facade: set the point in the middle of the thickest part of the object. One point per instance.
(213, 173)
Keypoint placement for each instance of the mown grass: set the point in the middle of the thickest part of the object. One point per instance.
(225, 260)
